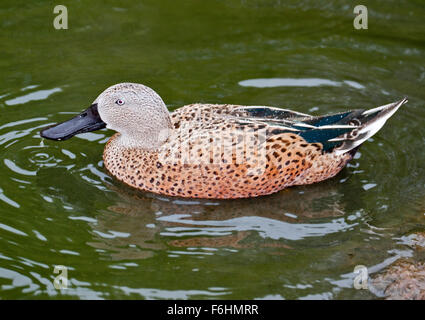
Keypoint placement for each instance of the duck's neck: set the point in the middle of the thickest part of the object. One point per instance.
(150, 141)
(147, 130)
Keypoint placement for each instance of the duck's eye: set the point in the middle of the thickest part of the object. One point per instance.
(119, 102)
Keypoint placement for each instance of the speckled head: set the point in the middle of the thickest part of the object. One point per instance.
(137, 112)
(134, 110)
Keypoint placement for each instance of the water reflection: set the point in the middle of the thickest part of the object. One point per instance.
(299, 82)
(33, 96)
(144, 222)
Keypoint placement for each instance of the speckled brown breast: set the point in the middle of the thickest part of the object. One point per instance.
(211, 156)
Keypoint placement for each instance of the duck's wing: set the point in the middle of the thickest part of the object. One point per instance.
(263, 112)
(338, 133)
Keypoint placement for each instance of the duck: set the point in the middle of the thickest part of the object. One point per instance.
(219, 151)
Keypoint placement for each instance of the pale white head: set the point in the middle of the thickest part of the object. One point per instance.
(137, 112)
(134, 110)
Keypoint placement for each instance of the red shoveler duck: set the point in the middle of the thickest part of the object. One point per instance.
(219, 151)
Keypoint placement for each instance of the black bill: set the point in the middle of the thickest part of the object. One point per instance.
(88, 120)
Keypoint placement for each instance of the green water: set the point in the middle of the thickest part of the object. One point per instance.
(59, 207)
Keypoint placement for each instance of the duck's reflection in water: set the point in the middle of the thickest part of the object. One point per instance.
(139, 223)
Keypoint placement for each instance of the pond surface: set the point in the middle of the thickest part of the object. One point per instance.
(59, 207)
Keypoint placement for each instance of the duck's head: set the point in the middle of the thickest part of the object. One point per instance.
(135, 111)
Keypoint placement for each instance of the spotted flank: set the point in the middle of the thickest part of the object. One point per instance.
(223, 151)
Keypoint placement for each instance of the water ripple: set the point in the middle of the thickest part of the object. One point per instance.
(299, 82)
(33, 96)
(267, 228)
